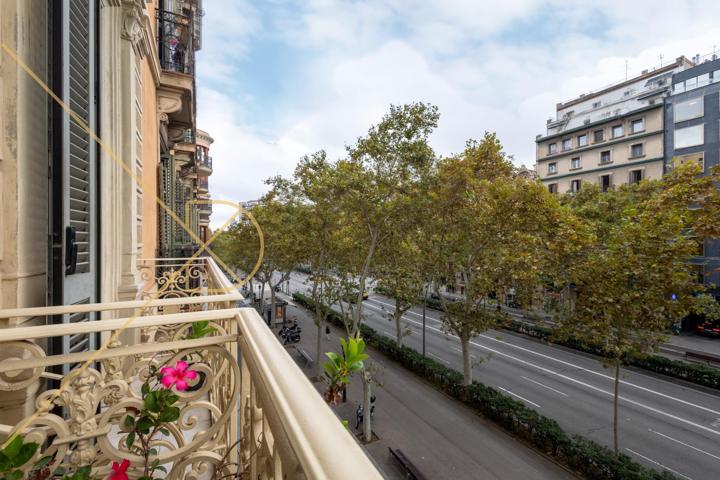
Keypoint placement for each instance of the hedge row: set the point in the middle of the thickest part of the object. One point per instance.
(584, 456)
(691, 372)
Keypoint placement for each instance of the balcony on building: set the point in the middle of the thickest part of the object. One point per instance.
(249, 407)
(202, 185)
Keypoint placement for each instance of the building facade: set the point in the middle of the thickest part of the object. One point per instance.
(692, 134)
(80, 174)
(204, 170)
(608, 137)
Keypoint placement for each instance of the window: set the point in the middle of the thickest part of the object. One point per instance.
(552, 168)
(552, 188)
(689, 136)
(699, 273)
(605, 182)
(575, 163)
(690, 109)
(678, 88)
(637, 126)
(605, 157)
(582, 140)
(690, 83)
(703, 79)
(716, 76)
(635, 176)
(617, 131)
(567, 144)
(552, 148)
(636, 150)
(693, 157)
(598, 135)
(596, 104)
(575, 186)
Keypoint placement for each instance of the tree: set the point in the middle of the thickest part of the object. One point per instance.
(400, 274)
(633, 281)
(373, 188)
(490, 230)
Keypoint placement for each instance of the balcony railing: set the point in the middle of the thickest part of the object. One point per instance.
(175, 42)
(202, 183)
(205, 162)
(249, 408)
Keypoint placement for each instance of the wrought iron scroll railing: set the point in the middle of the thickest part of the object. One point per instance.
(249, 409)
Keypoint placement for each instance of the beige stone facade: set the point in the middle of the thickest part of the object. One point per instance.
(592, 153)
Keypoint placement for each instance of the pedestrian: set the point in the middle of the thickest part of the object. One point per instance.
(358, 416)
(327, 332)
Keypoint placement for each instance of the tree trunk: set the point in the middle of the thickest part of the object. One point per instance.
(272, 306)
(398, 327)
(615, 406)
(467, 369)
(367, 417)
(318, 350)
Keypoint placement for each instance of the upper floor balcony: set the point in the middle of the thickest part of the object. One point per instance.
(189, 387)
(202, 184)
(176, 39)
(204, 164)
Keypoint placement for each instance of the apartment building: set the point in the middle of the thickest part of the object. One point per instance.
(608, 137)
(692, 134)
(204, 170)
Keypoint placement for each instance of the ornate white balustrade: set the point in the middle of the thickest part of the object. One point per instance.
(248, 413)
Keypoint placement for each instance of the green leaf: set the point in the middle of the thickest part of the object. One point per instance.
(26, 453)
(5, 463)
(161, 468)
(169, 415)
(145, 424)
(171, 399)
(145, 389)
(43, 462)
(165, 431)
(129, 421)
(130, 439)
(13, 447)
(151, 402)
(14, 475)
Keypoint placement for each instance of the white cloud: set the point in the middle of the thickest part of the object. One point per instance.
(478, 61)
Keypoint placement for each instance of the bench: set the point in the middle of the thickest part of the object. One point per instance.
(411, 471)
(305, 356)
(703, 356)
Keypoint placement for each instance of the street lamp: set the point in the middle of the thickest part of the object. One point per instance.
(427, 286)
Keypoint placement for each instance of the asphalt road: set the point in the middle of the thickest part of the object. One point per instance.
(663, 424)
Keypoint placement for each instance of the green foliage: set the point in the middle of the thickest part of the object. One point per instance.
(340, 367)
(200, 329)
(592, 461)
(707, 306)
(16, 454)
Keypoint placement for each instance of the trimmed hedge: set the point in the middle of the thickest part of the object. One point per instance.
(584, 456)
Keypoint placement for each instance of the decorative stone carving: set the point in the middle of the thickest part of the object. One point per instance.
(133, 24)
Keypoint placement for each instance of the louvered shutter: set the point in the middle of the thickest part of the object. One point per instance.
(79, 93)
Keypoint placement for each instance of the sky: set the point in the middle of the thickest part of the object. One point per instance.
(279, 79)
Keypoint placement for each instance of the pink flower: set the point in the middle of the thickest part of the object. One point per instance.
(177, 376)
(119, 469)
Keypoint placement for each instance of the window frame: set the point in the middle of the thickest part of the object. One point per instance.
(552, 168)
(622, 131)
(552, 148)
(632, 125)
(700, 127)
(602, 135)
(552, 188)
(641, 171)
(700, 100)
(642, 150)
(609, 152)
(564, 142)
(573, 183)
(585, 136)
(609, 176)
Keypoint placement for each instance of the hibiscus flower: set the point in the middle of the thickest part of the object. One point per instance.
(178, 375)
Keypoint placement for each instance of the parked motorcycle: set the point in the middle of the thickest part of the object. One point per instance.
(290, 335)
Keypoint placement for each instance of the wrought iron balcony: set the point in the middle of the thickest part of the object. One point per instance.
(247, 407)
(204, 163)
(202, 183)
(175, 42)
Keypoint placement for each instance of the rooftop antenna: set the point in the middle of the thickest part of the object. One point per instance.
(661, 60)
(626, 69)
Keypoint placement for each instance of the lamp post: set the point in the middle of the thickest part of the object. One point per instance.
(427, 286)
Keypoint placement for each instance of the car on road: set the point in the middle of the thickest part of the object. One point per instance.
(710, 328)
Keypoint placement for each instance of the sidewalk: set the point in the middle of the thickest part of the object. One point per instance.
(441, 437)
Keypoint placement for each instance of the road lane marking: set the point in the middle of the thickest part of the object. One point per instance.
(658, 464)
(518, 396)
(389, 334)
(543, 385)
(624, 382)
(593, 387)
(586, 385)
(683, 443)
(456, 349)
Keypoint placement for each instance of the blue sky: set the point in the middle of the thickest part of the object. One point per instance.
(278, 79)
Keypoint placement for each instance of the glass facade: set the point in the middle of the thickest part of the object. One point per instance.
(690, 109)
(689, 136)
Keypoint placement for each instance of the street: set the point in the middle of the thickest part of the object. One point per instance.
(664, 425)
